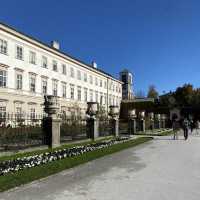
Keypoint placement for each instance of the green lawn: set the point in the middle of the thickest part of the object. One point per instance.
(27, 175)
(159, 133)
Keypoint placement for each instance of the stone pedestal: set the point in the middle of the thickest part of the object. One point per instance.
(115, 127)
(92, 121)
(114, 113)
(152, 124)
(159, 124)
(142, 123)
(51, 124)
(52, 131)
(131, 126)
(92, 128)
(163, 123)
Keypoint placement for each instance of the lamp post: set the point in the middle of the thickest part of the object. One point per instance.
(131, 122)
(157, 117)
(51, 123)
(151, 117)
(163, 118)
(92, 121)
(142, 120)
(114, 113)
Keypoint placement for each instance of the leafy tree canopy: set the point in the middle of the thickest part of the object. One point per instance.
(152, 92)
(185, 96)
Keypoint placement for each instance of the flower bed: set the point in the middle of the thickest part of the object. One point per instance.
(43, 158)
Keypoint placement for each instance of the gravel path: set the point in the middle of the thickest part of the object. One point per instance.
(163, 169)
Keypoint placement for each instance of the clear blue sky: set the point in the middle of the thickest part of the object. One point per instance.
(158, 40)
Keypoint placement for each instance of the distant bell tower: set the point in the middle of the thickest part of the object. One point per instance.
(127, 88)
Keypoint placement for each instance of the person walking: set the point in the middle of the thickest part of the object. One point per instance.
(197, 127)
(175, 127)
(191, 124)
(185, 128)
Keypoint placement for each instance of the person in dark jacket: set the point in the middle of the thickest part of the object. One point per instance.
(185, 128)
(191, 124)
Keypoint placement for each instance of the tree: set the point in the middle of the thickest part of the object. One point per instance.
(184, 95)
(152, 93)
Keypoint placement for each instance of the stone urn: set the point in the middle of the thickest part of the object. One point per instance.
(51, 105)
(158, 117)
(92, 109)
(151, 116)
(163, 117)
(132, 114)
(142, 114)
(114, 111)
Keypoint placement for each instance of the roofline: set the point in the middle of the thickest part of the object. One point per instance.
(34, 41)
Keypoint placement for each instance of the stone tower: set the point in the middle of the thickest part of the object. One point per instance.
(127, 88)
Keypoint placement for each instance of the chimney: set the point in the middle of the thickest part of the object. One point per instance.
(94, 65)
(55, 45)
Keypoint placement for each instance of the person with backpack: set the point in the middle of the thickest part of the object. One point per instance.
(185, 128)
(191, 124)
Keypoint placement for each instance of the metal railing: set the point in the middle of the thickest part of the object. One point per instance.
(105, 128)
(71, 129)
(20, 131)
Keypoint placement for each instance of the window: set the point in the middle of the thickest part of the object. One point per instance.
(19, 53)
(124, 79)
(32, 83)
(44, 61)
(64, 71)
(72, 72)
(119, 89)
(101, 83)
(85, 77)
(3, 78)
(117, 102)
(91, 79)
(105, 98)
(32, 113)
(110, 100)
(110, 85)
(96, 96)
(85, 94)
(2, 113)
(18, 113)
(105, 85)
(101, 98)
(64, 88)
(44, 86)
(3, 46)
(79, 75)
(32, 57)
(71, 91)
(96, 81)
(79, 93)
(91, 95)
(55, 88)
(19, 81)
(55, 67)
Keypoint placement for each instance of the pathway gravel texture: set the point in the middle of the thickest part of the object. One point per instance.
(162, 169)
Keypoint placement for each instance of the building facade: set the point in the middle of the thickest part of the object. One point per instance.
(127, 88)
(30, 69)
